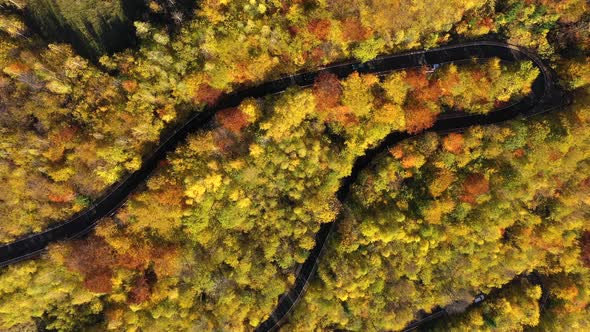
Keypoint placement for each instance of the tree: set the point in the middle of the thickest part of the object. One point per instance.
(474, 185)
(454, 143)
(93, 259)
(327, 91)
(232, 119)
(357, 94)
(419, 118)
(585, 246)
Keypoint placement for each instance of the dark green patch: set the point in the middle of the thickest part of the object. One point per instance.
(92, 27)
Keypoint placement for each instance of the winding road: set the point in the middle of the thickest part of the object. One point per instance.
(545, 97)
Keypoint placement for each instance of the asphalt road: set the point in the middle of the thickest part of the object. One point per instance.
(545, 97)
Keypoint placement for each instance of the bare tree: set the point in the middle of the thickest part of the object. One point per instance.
(177, 17)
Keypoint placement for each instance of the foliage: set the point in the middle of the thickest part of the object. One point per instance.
(256, 185)
(441, 219)
(116, 118)
(514, 308)
(217, 234)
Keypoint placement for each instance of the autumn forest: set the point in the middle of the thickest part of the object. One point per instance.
(486, 227)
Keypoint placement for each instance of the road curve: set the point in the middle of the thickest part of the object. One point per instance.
(545, 97)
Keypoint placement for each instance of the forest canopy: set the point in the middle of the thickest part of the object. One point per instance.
(439, 219)
(218, 232)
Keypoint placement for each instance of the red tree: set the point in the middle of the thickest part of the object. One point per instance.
(320, 28)
(585, 248)
(353, 30)
(327, 90)
(93, 259)
(140, 292)
(474, 186)
(232, 119)
(206, 94)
